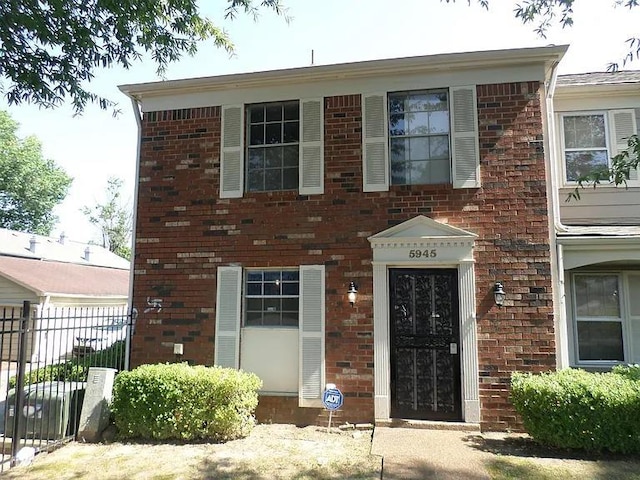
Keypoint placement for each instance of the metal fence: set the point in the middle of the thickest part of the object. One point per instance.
(45, 357)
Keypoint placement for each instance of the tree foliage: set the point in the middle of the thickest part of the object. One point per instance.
(50, 49)
(30, 186)
(543, 14)
(617, 174)
(114, 219)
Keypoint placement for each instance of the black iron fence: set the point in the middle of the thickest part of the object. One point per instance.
(45, 358)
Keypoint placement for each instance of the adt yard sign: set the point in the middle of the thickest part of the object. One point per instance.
(332, 399)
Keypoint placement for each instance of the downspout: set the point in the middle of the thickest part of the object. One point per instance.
(138, 115)
(555, 225)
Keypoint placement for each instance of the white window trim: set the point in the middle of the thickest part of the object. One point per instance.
(607, 128)
(623, 319)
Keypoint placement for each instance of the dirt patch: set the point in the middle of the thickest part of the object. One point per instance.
(271, 451)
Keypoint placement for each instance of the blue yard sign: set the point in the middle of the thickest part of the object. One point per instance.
(332, 399)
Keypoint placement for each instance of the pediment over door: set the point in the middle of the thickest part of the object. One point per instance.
(422, 239)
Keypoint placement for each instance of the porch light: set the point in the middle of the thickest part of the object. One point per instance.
(352, 293)
(499, 294)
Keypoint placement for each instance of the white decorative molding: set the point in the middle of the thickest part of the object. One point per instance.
(398, 246)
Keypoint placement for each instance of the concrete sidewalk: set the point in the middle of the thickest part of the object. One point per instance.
(418, 453)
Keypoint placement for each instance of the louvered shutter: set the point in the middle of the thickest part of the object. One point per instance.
(464, 137)
(227, 335)
(311, 146)
(311, 332)
(622, 125)
(231, 152)
(375, 152)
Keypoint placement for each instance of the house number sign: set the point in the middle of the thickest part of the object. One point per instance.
(428, 253)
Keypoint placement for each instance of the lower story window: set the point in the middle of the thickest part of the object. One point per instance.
(272, 298)
(599, 317)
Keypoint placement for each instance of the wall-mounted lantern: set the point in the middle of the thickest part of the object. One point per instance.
(499, 294)
(352, 293)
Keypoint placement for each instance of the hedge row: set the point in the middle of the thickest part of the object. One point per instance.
(177, 401)
(577, 409)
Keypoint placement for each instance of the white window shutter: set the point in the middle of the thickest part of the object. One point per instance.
(311, 146)
(464, 137)
(311, 332)
(622, 124)
(231, 151)
(228, 300)
(375, 149)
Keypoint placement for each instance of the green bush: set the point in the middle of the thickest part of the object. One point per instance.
(577, 409)
(177, 401)
(76, 369)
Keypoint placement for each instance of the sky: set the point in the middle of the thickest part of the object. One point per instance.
(95, 146)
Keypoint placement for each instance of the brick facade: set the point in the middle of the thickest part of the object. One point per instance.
(185, 231)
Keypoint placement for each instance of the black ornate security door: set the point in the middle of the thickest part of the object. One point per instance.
(425, 344)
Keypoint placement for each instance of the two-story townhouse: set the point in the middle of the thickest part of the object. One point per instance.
(353, 224)
(598, 236)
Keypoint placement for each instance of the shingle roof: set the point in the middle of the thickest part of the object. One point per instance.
(17, 244)
(46, 277)
(599, 78)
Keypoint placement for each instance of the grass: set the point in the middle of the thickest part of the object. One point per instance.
(511, 468)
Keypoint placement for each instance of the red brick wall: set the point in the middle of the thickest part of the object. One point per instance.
(184, 231)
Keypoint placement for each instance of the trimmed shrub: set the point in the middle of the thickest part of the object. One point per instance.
(77, 369)
(576, 409)
(178, 401)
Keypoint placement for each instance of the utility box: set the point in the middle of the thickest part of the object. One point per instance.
(11, 413)
(95, 409)
(52, 410)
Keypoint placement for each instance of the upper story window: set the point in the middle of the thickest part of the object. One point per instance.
(586, 146)
(272, 298)
(273, 134)
(419, 137)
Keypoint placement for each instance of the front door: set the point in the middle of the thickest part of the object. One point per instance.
(425, 344)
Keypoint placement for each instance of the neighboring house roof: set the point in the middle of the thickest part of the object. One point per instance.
(599, 78)
(67, 279)
(27, 245)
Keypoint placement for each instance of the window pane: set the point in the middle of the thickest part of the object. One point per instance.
(256, 158)
(417, 102)
(396, 103)
(254, 319)
(290, 276)
(274, 113)
(290, 154)
(273, 157)
(419, 148)
(254, 289)
(257, 114)
(272, 304)
(254, 304)
(273, 133)
(600, 341)
(290, 305)
(273, 179)
(291, 132)
(634, 295)
(254, 276)
(399, 173)
(597, 296)
(290, 178)
(290, 289)
(581, 163)
(419, 173)
(255, 180)
(584, 131)
(439, 147)
(291, 111)
(397, 124)
(257, 134)
(418, 123)
(399, 149)
(439, 122)
(439, 171)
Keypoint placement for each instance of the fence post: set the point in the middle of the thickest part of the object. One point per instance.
(22, 355)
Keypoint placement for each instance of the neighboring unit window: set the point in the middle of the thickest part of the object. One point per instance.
(585, 144)
(598, 317)
(419, 137)
(272, 298)
(272, 146)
